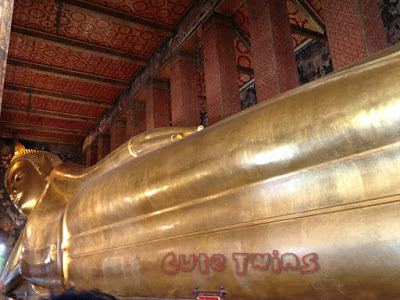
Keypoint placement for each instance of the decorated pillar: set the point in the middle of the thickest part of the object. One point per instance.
(117, 135)
(136, 119)
(130, 120)
(275, 69)
(6, 11)
(222, 90)
(354, 29)
(103, 147)
(157, 104)
(91, 157)
(185, 105)
(140, 117)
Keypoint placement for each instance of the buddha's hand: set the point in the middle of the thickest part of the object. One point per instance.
(184, 132)
(159, 137)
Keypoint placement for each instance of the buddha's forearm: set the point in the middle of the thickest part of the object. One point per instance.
(68, 178)
(13, 281)
(11, 275)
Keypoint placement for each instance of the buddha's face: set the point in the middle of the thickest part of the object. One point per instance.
(25, 186)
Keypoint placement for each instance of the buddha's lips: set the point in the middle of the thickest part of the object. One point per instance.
(15, 199)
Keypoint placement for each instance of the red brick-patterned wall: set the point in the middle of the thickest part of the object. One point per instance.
(100, 153)
(157, 107)
(140, 120)
(275, 69)
(284, 51)
(91, 156)
(185, 106)
(373, 26)
(88, 156)
(135, 119)
(263, 52)
(130, 121)
(117, 136)
(354, 29)
(220, 70)
(103, 147)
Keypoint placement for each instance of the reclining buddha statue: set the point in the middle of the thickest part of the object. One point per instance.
(294, 198)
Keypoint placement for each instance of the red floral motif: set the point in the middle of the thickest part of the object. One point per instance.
(317, 7)
(297, 40)
(21, 100)
(68, 137)
(163, 11)
(87, 26)
(62, 84)
(244, 78)
(297, 18)
(241, 17)
(47, 53)
(243, 59)
(44, 121)
(243, 54)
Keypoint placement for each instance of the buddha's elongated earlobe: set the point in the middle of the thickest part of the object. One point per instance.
(45, 166)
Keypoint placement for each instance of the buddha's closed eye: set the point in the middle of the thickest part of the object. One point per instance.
(18, 177)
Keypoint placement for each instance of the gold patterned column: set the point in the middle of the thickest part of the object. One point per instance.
(6, 10)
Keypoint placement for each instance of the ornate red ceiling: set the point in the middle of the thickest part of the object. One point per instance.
(164, 11)
(86, 26)
(241, 17)
(45, 121)
(52, 54)
(76, 56)
(45, 136)
(45, 103)
(62, 84)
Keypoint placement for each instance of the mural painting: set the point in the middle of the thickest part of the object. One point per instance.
(391, 19)
(248, 95)
(313, 61)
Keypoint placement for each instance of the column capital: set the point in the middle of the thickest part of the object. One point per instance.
(160, 84)
(217, 19)
(184, 55)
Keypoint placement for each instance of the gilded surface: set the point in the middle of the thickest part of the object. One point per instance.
(314, 172)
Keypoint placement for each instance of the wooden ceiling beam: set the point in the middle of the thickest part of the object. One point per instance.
(242, 36)
(197, 15)
(56, 115)
(81, 46)
(49, 114)
(232, 8)
(110, 12)
(245, 70)
(22, 126)
(56, 96)
(49, 70)
(304, 7)
(308, 33)
(8, 134)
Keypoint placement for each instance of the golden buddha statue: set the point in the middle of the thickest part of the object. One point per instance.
(295, 198)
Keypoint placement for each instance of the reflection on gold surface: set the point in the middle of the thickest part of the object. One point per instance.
(309, 177)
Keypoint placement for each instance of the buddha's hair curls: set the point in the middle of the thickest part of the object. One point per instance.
(33, 156)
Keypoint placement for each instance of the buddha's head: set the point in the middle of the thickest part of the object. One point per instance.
(27, 176)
